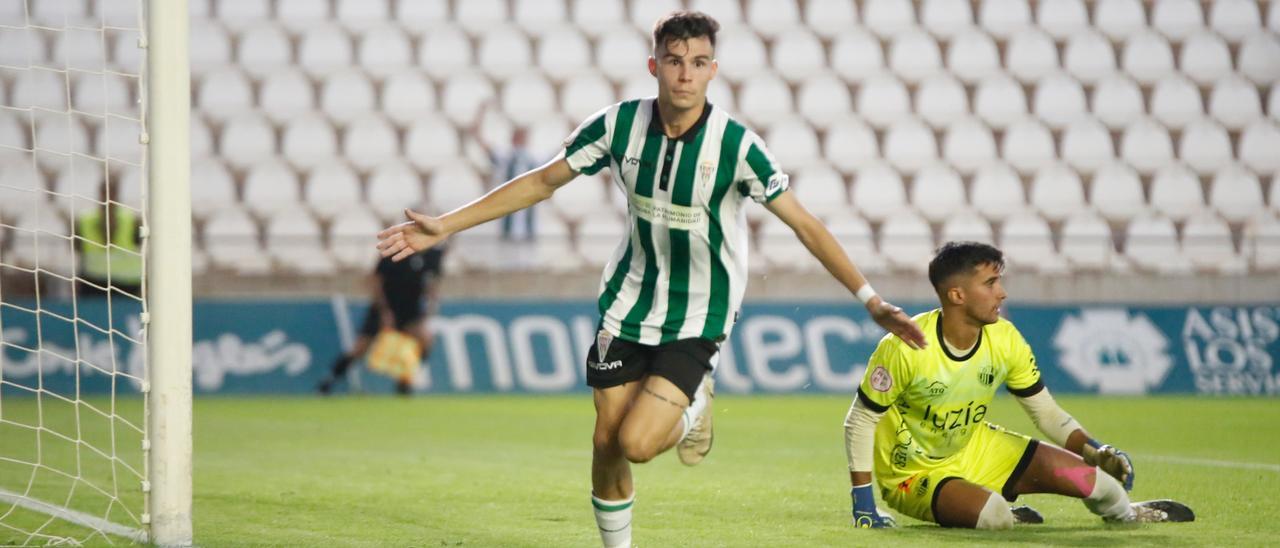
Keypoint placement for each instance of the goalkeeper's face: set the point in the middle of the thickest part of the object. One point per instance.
(984, 293)
(683, 68)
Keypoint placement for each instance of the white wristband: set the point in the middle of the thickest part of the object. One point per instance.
(865, 293)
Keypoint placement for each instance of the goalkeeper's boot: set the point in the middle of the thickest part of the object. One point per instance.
(1026, 514)
(695, 446)
(1155, 511)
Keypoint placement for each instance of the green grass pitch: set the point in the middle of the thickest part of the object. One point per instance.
(514, 471)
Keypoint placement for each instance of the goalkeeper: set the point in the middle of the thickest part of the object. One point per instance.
(918, 419)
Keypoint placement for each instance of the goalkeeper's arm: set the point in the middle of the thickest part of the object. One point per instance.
(1064, 430)
(859, 444)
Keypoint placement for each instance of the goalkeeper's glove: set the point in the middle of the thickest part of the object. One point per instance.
(865, 515)
(1114, 462)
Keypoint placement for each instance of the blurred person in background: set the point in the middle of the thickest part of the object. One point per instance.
(109, 242)
(505, 164)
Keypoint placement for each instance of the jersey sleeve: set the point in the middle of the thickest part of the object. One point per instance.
(759, 175)
(587, 148)
(888, 374)
(1023, 379)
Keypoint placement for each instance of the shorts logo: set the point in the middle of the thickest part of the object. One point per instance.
(881, 380)
(922, 487)
(603, 339)
(605, 366)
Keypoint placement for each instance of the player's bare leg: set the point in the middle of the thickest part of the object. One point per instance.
(1061, 472)
(611, 489)
(655, 422)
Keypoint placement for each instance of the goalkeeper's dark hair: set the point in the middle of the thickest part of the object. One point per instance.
(682, 25)
(961, 258)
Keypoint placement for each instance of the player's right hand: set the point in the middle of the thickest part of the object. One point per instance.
(420, 232)
(865, 515)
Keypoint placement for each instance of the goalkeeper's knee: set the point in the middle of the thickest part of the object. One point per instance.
(995, 514)
(1108, 498)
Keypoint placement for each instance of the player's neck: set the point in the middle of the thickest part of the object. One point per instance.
(958, 331)
(675, 121)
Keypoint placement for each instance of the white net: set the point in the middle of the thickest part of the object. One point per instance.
(73, 467)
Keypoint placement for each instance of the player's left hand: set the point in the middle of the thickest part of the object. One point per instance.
(1114, 462)
(895, 321)
(420, 232)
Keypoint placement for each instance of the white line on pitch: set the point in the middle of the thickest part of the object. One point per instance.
(1215, 463)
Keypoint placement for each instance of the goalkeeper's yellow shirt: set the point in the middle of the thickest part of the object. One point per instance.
(933, 401)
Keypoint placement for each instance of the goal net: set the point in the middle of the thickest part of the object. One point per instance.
(77, 435)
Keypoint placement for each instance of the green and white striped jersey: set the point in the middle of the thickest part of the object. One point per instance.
(682, 271)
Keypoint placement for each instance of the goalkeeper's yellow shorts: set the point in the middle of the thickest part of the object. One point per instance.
(995, 458)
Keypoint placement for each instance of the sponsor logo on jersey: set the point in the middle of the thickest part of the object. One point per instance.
(881, 380)
(955, 418)
(777, 183)
(1113, 350)
(936, 388)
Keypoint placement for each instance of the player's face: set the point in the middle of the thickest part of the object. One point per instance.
(984, 293)
(683, 69)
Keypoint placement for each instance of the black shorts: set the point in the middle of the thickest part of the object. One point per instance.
(682, 362)
(404, 316)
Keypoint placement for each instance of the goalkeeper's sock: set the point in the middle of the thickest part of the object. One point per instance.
(613, 517)
(1108, 498)
(691, 413)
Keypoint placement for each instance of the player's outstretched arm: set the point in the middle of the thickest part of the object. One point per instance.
(1064, 430)
(423, 231)
(819, 241)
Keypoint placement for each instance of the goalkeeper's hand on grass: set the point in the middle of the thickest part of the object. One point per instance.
(1114, 462)
(420, 232)
(865, 515)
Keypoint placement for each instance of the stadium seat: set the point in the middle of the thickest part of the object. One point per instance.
(564, 53)
(997, 192)
(1059, 100)
(1062, 18)
(264, 50)
(829, 18)
(99, 94)
(1002, 18)
(1176, 102)
(1056, 192)
(771, 18)
(1273, 103)
(431, 142)
(212, 188)
(284, 95)
(878, 192)
(599, 236)
(1236, 193)
(349, 238)
(407, 96)
(793, 142)
(882, 100)
(1262, 242)
(393, 187)
(553, 249)
(966, 226)
(369, 141)
(583, 95)
(41, 240)
(1027, 243)
(58, 138)
(247, 139)
(856, 55)
(972, 56)
(765, 99)
(323, 50)
(40, 88)
(271, 187)
(1119, 19)
(1086, 145)
(201, 138)
(539, 17)
(719, 93)
(332, 190)
(1260, 148)
(1116, 192)
(797, 54)
(968, 145)
(463, 94)
(1205, 58)
(1176, 192)
(347, 95)
(914, 56)
(582, 202)
(644, 15)
(778, 248)
(210, 48)
(243, 14)
(419, 16)
(1260, 57)
(909, 240)
(909, 145)
(823, 100)
(622, 53)
(1177, 19)
(1087, 243)
(1031, 55)
(727, 12)
(78, 48)
(445, 51)
(999, 101)
(82, 179)
(1206, 242)
(308, 141)
(1234, 102)
(546, 136)
(937, 192)
(125, 14)
(294, 240)
(21, 189)
(126, 57)
(528, 97)
(1027, 146)
(1205, 146)
(946, 19)
(478, 16)
(1088, 56)
(640, 86)
(454, 185)
(59, 14)
(821, 189)
(941, 100)
(887, 18)
(1151, 242)
(850, 145)
(384, 52)
(1147, 57)
(1146, 146)
(222, 94)
(504, 52)
(118, 140)
(598, 17)
(297, 15)
(1234, 19)
(855, 236)
(24, 46)
(740, 52)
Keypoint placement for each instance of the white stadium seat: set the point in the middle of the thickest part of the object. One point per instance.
(1260, 57)
(829, 18)
(1273, 20)
(1027, 243)
(645, 85)
(347, 95)
(1087, 242)
(1086, 145)
(478, 16)
(1177, 19)
(247, 139)
(941, 100)
(821, 190)
(973, 56)
(937, 192)
(58, 138)
(878, 192)
(324, 49)
(771, 17)
(1206, 241)
(1205, 58)
(60, 14)
(599, 236)
(968, 145)
(271, 187)
(1062, 18)
(231, 240)
(850, 145)
(297, 15)
(740, 52)
(1146, 146)
(1004, 17)
(349, 238)
(1031, 55)
(584, 95)
(999, 101)
(621, 54)
(997, 192)
(794, 143)
(1147, 57)
(854, 235)
(888, 17)
(286, 94)
(1205, 146)
(1059, 100)
(1119, 19)
(1151, 242)
(503, 52)
(1116, 101)
(1263, 242)
(40, 88)
(967, 226)
(914, 56)
(1234, 101)
(1056, 192)
(1235, 19)
(444, 51)
(1176, 102)
(384, 52)
(126, 56)
(564, 53)
(909, 241)
(528, 97)
(582, 202)
(212, 188)
(79, 48)
(719, 93)
(210, 47)
(308, 141)
(431, 142)
(765, 99)
(1027, 146)
(797, 54)
(244, 13)
(118, 140)
(546, 136)
(1236, 193)
(263, 50)
(1176, 192)
(553, 248)
(201, 138)
(1088, 56)
(222, 93)
(1260, 149)
(823, 100)
(332, 189)
(393, 187)
(407, 96)
(598, 17)
(946, 18)
(540, 17)
(100, 94)
(463, 94)
(909, 145)
(882, 100)
(294, 240)
(727, 12)
(645, 14)
(856, 54)
(1273, 103)
(453, 186)
(24, 46)
(1116, 192)
(370, 141)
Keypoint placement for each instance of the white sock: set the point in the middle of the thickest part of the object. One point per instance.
(995, 514)
(613, 518)
(1108, 498)
(695, 408)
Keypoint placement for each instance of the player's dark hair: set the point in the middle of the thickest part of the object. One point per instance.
(961, 258)
(682, 25)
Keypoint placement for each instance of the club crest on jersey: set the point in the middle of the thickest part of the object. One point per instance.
(706, 171)
(987, 375)
(603, 338)
(881, 380)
